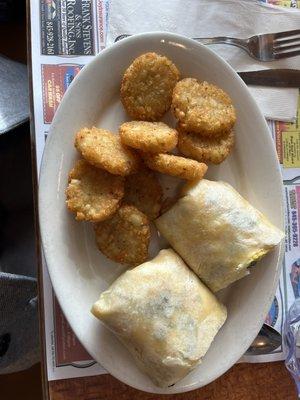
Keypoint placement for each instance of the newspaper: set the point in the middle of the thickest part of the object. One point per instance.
(66, 35)
(283, 3)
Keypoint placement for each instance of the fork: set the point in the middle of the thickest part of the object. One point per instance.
(264, 47)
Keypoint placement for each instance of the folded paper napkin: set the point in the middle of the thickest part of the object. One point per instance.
(206, 18)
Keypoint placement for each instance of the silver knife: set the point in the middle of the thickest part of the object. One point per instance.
(272, 77)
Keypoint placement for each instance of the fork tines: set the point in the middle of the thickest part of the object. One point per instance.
(286, 41)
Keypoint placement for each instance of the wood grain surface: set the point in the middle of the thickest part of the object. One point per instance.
(269, 381)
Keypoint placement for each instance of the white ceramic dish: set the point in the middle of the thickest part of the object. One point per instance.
(79, 272)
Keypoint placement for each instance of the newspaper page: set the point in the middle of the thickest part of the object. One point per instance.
(66, 35)
(286, 137)
(287, 141)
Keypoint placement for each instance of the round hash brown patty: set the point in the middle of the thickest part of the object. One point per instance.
(144, 191)
(152, 137)
(176, 166)
(203, 108)
(147, 86)
(93, 194)
(205, 149)
(104, 149)
(125, 237)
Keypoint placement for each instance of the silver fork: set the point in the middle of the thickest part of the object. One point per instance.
(264, 47)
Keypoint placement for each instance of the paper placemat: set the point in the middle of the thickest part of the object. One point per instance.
(66, 35)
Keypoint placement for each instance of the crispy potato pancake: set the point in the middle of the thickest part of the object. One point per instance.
(104, 149)
(143, 191)
(152, 137)
(202, 108)
(205, 149)
(125, 237)
(176, 166)
(147, 86)
(93, 194)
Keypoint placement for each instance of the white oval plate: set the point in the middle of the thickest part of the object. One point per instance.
(79, 273)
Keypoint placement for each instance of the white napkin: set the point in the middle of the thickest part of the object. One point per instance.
(205, 18)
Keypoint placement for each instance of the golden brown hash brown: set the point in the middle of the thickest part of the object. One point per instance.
(93, 194)
(202, 108)
(205, 149)
(152, 137)
(176, 166)
(147, 86)
(104, 149)
(125, 237)
(144, 191)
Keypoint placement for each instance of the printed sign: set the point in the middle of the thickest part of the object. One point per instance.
(67, 27)
(291, 149)
(55, 81)
(286, 136)
(292, 245)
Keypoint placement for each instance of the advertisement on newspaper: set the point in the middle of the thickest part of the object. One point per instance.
(73, 27)
(286, 136)
(67, 27)
(55, 81)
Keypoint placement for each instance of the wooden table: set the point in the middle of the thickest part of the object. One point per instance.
(243, 382)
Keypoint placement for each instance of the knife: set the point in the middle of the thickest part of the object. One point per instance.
(272, 77)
